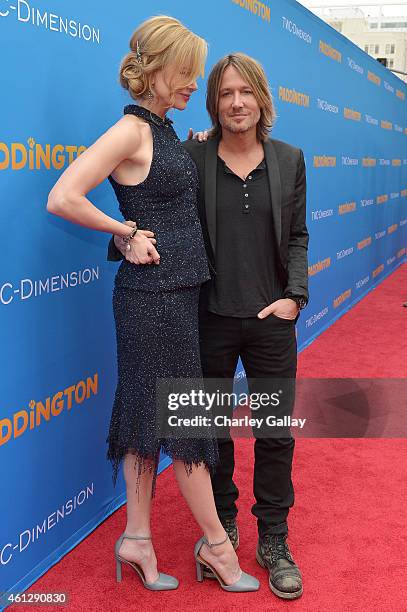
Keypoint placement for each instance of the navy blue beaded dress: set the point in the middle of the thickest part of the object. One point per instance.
(156, 306)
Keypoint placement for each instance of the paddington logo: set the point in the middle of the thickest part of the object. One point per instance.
(386, 125)
(396, 162)
(255, 7)
(319, 266)
(368, 162)
(40, 412)
(403, 193)
(364, 243)
(400, 94)
(36, 156)
(341, 298)
(348, 207)
(381, 199)
(330, 51)
(293, 97)
(324, 161)
(392, 228)
(377, 270)
(349, 113)
(373, 77)
(40, 18)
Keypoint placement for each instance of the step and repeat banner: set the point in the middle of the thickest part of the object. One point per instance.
(60, 91)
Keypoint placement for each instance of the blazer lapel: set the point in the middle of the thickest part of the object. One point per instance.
(210, 188)
(275, 187)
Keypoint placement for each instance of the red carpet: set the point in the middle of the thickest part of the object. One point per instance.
(348, 529)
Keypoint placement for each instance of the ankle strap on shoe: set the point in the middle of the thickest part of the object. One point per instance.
(136, 537)
(212, 544)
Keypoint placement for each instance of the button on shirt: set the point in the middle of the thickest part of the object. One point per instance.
(246, 279)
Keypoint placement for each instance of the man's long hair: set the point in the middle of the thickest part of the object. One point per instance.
(253, 73)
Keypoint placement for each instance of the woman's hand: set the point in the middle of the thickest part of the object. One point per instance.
(140, 249)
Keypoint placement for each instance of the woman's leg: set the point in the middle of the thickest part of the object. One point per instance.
(138, 490)
(197, 491)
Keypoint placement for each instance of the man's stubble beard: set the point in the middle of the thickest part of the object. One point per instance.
(237, 129)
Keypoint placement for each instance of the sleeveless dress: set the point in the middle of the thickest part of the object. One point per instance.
(156, 306)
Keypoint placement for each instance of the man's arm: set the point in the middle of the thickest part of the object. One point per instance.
(297, 260)
(113, 253)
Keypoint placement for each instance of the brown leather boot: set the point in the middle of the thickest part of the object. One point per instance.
(274, 554)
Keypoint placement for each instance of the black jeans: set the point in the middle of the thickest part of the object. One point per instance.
(268, 349)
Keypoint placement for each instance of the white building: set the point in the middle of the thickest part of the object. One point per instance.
(380, 36)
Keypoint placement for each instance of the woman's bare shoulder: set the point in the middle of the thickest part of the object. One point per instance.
(132, 124)
(128, 132)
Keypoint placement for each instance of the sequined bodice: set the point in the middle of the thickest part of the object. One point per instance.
(165, 203)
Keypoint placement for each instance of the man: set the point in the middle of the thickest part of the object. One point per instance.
(252, 207)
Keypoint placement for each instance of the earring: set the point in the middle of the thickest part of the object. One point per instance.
(149, 94)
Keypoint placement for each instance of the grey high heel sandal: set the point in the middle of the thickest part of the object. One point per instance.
(245, 582)
(164, 582)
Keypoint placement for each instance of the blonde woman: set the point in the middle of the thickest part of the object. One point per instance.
(156, 302)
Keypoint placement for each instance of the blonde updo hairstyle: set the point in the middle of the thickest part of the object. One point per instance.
(163, 42)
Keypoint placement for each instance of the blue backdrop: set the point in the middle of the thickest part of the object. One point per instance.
(59, 93)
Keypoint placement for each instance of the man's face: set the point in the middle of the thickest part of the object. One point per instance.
(238, 109)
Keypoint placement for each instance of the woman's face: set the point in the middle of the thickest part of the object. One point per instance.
(162, 91)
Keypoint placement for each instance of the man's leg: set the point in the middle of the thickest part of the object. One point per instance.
(219, 343)
(269, 352)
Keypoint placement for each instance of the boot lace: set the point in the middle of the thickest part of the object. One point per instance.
(275, 547)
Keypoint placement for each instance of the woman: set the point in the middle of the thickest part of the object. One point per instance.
(155, 304)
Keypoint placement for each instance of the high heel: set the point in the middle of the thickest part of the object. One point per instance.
(199, 571)
(118, 570)
(245, 582)
(164, 582)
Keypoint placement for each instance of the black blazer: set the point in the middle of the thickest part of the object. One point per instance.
(286, 173)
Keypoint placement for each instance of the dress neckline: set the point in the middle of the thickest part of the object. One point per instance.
(148, 115)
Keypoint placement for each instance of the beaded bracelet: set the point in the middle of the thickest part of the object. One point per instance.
(130, 236)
